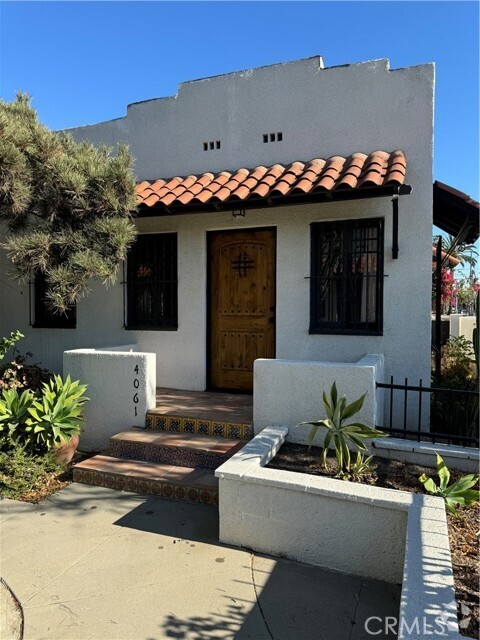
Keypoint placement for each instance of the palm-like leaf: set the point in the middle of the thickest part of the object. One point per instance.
(466, 253)
(342, 434)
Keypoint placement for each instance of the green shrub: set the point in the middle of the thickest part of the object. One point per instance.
(21, 473)
(458, 494)
(475, 337)
(342, 434)
(456, 414)
(18, 374)
(42, 420)
(458, 368)
(9, 342)
(14, 412)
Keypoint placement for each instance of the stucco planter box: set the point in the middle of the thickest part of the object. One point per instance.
(385, 534)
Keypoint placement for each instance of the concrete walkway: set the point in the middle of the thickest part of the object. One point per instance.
(94, 564)
(11, 618)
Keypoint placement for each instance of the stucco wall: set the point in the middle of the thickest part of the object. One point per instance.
(181, 361)
(121, 388)
(287, 392)
(309, 518)
(326, 111)
(462, 326)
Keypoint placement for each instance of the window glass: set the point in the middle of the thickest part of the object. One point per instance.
(347, 276)
(45, 318)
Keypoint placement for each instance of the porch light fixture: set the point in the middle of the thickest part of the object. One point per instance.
(239, 214)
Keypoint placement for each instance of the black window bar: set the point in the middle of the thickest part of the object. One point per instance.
(150, 286)
(347, 277)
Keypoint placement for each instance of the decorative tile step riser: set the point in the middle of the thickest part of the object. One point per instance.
(199, 426)
(180, 457)
(151, 487)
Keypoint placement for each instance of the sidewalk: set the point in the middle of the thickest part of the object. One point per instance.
(95, 564)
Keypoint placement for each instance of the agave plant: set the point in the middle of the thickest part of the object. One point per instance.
(458, 494)
(361, 467)
(56, 415)
(353, 433)
(14, 408)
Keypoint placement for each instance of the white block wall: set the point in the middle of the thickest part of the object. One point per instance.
(462, 326)
(121, 388)
(309, 518)
(287, 392)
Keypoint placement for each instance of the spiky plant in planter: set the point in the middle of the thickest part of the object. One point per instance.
(458, 494)
(342, 434)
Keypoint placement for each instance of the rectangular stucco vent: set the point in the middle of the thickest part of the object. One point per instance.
(273, 137)
(213, 144)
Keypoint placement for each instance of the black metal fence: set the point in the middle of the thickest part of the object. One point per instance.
(432, 414)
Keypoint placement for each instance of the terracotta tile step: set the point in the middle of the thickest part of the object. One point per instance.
(235, 427)
(153, 478)
(179, 449)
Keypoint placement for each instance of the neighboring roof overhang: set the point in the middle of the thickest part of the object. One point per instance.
(456, 213)
(378, 174)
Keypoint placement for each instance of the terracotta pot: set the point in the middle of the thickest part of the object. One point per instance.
(65, 452)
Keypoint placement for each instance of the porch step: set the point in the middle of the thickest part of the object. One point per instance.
(173, 448)
(218, 428)
(152, 478)
(207, 413)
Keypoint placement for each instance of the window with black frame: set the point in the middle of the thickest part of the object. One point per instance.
(347, 277)
(45, 318)
(152, 282)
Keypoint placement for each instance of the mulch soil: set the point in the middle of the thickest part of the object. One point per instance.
(392, 474)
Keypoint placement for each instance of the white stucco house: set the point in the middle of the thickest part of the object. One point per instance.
(284, 212)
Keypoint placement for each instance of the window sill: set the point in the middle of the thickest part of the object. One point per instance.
(140, 328)
(52, 326)
(344, 332)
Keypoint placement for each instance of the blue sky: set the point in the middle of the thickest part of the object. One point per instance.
(83, 62)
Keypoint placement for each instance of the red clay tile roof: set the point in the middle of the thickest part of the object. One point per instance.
(454, 261)
(357, 171)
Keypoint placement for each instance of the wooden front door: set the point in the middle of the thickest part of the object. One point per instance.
(242, 305)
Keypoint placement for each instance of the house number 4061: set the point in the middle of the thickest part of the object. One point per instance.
(136, 384)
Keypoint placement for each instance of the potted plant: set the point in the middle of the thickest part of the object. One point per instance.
(49, 420)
